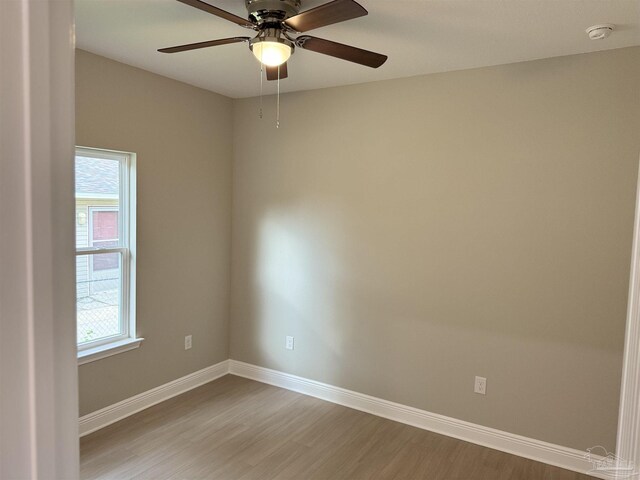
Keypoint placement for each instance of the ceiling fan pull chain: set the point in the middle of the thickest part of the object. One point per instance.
(278, 101)
(261, 75)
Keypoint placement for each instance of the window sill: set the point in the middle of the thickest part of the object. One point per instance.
(104, 351)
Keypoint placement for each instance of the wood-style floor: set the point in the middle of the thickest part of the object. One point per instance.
(239, 429)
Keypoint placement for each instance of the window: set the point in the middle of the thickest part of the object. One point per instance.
(105, 253)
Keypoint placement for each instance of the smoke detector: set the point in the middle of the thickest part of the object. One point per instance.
(599, 32)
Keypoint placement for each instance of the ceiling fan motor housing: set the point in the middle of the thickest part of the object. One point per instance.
(262, 11)
(271, 35)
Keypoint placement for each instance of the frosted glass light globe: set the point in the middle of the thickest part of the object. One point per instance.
(271, 53)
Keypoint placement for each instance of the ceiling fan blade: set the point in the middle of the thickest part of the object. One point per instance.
(218, 12)
(344, 52)
(209, 43)
(272, 72)
(327, 14)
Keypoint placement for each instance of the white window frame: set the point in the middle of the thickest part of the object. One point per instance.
(127, 340)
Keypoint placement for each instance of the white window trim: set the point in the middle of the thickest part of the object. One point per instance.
(107, 350)
(128, 340)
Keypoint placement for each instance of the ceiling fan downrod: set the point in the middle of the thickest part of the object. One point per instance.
(267, 11)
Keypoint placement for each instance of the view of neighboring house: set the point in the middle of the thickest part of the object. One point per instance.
(97, 225)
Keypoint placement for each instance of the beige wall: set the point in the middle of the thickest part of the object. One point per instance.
(182, 138)
(414, 233)
(410, 234)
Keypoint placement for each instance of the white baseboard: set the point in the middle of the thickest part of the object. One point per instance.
(540, 451)
(537, 450)
(111, 414)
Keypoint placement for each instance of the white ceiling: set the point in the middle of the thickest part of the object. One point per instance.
(419, 36)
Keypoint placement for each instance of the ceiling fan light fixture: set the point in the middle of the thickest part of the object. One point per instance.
(271, 51)
(276, 21)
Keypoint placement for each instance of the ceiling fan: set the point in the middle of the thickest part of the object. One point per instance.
(276, 21)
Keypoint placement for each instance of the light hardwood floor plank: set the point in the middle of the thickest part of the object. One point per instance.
(238, 429)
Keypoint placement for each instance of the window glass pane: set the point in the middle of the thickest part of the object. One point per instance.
(98, 293)
(97, 201)
(107, 261)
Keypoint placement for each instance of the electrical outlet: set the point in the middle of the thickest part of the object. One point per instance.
(289, 343)
(480, 386)
(187, 342)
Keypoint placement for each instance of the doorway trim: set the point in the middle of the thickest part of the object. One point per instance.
(38, 365)
(628, 440)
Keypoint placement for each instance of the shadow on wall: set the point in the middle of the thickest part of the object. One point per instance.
(341, 266)
(371, 314)
(298, 280)
(323, 265)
